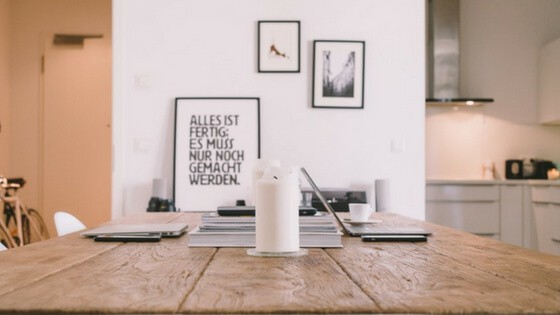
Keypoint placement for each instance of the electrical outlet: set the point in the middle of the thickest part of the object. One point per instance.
(398, 146)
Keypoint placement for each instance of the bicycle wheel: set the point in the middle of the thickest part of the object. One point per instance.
(25, 230)
(36, 219)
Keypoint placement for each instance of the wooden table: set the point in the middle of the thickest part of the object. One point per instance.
(454, 272)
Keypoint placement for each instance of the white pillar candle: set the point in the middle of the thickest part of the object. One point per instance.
(257, 172)
(276, 211)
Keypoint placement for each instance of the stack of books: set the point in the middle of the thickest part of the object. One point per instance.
(319, 230)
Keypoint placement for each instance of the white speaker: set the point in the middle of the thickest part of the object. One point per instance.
(159, 188)
(382, 195)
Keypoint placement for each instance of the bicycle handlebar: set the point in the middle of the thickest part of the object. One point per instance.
(14, 183)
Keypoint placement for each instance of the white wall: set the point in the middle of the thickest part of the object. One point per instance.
(500, 40)
(4, 87)
(166, 49)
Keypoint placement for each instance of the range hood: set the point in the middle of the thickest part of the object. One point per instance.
(443, 60)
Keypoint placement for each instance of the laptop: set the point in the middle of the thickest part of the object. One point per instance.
(163, 229)
(378, 229)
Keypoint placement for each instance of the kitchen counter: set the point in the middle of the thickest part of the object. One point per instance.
(493, 182)
(519, 212)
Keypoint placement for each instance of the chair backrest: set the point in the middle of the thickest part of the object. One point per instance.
(2, 247)
(66, 223)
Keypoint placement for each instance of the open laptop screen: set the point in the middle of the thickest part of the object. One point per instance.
(323, 200)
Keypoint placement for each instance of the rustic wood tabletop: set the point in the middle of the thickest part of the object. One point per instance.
(454, 272)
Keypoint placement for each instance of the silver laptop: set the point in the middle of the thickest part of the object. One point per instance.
(378, 229)
(163, 229)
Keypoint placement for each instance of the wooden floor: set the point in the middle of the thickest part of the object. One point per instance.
(454, 272)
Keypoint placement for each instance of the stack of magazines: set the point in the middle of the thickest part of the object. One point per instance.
(319, 230)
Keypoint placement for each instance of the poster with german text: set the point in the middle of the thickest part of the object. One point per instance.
(217, 141)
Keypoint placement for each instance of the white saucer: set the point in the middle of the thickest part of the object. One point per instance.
(254, 252)
(371, 221)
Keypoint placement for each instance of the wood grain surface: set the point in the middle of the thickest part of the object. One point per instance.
(407, 278)
(25, 265)
(454, 272)
(235, 283)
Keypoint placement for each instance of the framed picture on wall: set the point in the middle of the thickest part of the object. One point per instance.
(278, 46)
(217, 141)
(338, 74)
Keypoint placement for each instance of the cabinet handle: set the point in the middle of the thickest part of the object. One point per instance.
(546, 203)
(491, 234)
(461, 201)
(554, 239)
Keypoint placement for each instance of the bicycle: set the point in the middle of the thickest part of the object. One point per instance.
(28, 224)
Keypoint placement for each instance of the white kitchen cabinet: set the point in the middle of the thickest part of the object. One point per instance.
(549, 83)
(523, 213)
(462, 192)
(472, 208)
(529, 227)
(511, 213)
(517, 225)
(545, 194)
(546, 214)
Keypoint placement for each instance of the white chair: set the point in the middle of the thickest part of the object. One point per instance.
(66, 223)
(2, 247)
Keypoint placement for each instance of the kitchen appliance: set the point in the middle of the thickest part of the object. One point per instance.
(443, 62)
(541, 169)
(528, 169)
(514, 169)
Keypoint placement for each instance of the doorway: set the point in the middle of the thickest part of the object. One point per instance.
(75, 129)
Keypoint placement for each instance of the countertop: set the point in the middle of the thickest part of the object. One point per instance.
(536, 182)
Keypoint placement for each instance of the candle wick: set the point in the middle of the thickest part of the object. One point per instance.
(275, 177)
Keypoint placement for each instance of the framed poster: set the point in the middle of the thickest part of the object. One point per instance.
(279, 46)
(217, 141)
(338, 74)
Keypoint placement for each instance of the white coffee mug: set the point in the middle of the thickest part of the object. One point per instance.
(359, 212)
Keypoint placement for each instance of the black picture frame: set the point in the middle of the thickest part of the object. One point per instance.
(279, 46)
(338, 74)
(217, 141)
